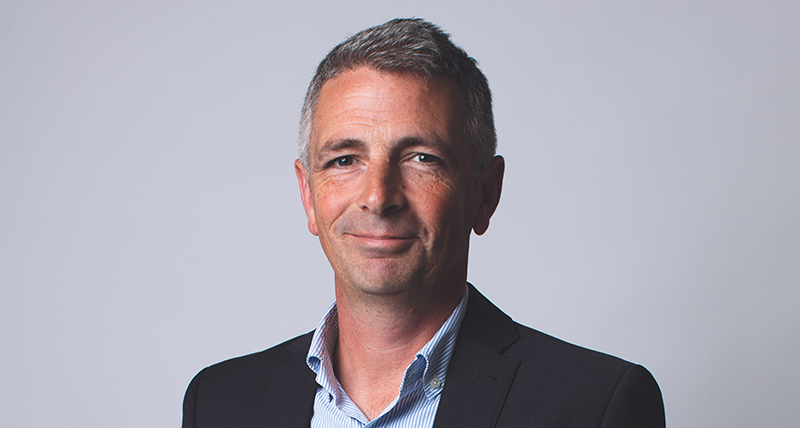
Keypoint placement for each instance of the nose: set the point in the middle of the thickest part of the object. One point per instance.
(382, 193)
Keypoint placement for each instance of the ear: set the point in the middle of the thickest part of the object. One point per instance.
(305, 196)
(490, 186)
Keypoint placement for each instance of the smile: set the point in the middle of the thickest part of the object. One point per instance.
(382, 243)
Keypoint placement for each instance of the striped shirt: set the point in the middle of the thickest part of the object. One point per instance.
(416, 403)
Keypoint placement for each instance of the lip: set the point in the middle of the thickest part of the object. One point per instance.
(382, 242)
(378, 236)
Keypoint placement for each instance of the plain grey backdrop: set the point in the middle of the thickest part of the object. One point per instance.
(150, 223)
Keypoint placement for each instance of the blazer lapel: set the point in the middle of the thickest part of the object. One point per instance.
(290, 397)
(479, 376)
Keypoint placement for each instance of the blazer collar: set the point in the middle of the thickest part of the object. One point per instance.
(290, 398)
(479, 376)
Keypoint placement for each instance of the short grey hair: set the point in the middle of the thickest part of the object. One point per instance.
(416, 46)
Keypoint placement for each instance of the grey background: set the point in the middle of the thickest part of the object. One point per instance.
(150, 223)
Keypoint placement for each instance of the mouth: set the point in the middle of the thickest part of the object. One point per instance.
(382, 243)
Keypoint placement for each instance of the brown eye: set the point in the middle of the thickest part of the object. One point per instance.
(426, 158)
(344, 161)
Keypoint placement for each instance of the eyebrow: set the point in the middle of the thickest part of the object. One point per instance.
(333, 146)
(415, 140)
(447, 152)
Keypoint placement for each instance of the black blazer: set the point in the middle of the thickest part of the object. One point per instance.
(502, 374)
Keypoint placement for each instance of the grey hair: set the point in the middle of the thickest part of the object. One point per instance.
(411, 45)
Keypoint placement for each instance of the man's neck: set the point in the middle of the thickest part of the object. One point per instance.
(379, 337)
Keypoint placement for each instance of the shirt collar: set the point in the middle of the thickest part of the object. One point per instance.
(428, 369)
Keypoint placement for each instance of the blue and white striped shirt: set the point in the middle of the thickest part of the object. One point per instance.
(416, 403)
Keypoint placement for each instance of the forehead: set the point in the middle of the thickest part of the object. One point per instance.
(386, 104)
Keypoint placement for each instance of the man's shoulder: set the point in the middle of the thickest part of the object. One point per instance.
(240, 391)
(599, 385)
(542, 359)
(487, 324)
(261, 362)
(541, 347)
(568, 382)
(251, 373)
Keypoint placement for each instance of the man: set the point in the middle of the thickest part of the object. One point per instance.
(396, 168)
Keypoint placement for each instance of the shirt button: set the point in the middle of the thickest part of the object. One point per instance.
(435, 383)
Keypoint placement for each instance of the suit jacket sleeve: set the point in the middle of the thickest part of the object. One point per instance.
(190, 402)
(636, 401)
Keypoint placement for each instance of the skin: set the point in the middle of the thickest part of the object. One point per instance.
(390, 193)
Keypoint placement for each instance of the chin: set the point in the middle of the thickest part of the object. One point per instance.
(385, 286)
(386, 282)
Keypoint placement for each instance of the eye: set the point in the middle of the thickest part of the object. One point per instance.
(343, 161)
(426, 158)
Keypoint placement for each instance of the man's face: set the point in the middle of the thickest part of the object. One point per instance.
(390, 188)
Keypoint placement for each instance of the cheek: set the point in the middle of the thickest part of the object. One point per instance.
(330, 201)
(437, 202)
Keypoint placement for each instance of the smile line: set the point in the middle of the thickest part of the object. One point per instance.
(380, 237)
